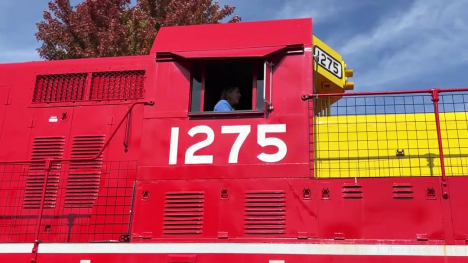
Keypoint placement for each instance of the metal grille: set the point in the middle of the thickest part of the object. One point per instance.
(117, 85)
(390, 135)
(265, 213)
(454, 128)
(43, 148)
(17, 224)
(376, 137)
(183, 213)
(84, 177)
(107, 221)
(59, 88)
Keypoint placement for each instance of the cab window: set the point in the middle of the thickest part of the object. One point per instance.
(210, 77)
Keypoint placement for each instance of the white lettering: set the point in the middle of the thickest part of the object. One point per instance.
(243, 131)
(272, 141)
(189, 155)
(174, 145)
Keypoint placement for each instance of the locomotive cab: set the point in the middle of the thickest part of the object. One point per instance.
(272, 69)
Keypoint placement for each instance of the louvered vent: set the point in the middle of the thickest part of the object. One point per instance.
(265, 212)
(352, 191)
(59, 87)
(44, 148)
(84, 176)
(183, 213)
(402, 191)
(117, 85)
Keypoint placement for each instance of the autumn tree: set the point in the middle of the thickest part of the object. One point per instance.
(105, 28)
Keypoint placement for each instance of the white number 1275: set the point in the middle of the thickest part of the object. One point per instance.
(242, 130)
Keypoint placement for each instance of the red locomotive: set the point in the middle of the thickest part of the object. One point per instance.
(125, 159)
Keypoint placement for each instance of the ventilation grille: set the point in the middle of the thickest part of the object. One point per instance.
(352, 191)
(183, 213)
(84, 176)
(59, 87)
(117, 85)
(402, 191)
(44, 148)
(265, 213)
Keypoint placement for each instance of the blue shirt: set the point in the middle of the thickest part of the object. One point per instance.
(223, 105)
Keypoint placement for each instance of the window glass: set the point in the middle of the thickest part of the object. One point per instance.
(260, 86)
(224, 74)
(221, 74)
(196, 89)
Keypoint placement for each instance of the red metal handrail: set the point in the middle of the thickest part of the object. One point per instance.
(373, 93)
(435, 99)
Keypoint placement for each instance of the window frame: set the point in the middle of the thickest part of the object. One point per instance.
(252, 113)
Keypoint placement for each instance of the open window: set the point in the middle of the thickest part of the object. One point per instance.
(211, 76)
(213, 70)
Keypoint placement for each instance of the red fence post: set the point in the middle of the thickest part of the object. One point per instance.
(446, 205)
(435, 99)
(311, 110)
(47, 167)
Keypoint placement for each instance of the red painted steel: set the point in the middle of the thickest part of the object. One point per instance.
(86, 175)
(435, 99)
(244, 52)
(232, 36)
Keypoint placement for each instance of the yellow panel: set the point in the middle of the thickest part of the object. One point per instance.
(331, 74)
(366, 145)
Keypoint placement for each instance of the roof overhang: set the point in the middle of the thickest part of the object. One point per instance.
(229, 53)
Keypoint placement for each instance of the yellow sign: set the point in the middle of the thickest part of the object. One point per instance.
(332, 74)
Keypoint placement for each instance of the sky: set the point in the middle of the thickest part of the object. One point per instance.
(390, 45)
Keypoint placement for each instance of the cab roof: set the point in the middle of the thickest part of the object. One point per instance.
(231, 36)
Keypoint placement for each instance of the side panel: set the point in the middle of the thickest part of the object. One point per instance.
(17, 124)
(459, 202)
(80, 181)
(49, 139)
(224, 209)
(380, 208)
(179, 146)
(403, 208)
(340, 213)
(233, 148)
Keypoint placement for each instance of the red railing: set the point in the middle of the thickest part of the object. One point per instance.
(344, 142)
(65, 202)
